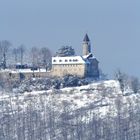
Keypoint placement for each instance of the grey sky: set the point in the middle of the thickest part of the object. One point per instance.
(112, 25)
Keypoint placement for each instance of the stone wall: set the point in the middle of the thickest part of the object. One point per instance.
(28, 75)
(62, 70)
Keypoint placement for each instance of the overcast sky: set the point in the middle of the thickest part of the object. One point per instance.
(113, 27)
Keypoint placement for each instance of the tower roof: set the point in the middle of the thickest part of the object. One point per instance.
(86, 38)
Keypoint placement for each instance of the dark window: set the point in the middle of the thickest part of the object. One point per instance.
(75, 60)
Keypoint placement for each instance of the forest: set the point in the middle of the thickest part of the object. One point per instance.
(97, 111)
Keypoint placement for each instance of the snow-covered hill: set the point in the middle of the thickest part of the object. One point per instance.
(100, 95)
(99, 100)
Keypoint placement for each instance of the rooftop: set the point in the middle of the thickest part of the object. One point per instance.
(69, 60)
(86, 38)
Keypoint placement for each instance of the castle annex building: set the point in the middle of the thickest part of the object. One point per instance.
(85, 65)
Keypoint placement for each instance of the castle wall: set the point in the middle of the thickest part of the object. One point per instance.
(28, 75)
(56, 71)
(62, 70)
(92, 68)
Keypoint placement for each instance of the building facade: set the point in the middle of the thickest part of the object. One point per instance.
(85, 65)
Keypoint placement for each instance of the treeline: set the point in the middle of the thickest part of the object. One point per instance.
(127, 82)
(38, 118)
(36, 56)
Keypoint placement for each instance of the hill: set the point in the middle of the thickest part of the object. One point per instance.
(97, 111)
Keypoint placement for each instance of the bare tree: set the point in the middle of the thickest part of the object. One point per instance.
(15, 53)
(34, 55)
(21, 51)
(122, 79)
(35, 58)
(4, 47)
(46, 55)
(119, 108)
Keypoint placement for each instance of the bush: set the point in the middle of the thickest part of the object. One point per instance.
(48, 83)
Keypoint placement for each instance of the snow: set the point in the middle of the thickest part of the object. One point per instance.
(90, 55)
(26, 70)
(93, 104)
(101, 96)
(22, 70)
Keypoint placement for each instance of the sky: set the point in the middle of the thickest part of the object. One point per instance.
(113, 27)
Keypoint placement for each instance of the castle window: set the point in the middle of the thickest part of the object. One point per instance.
(70, 60)
(60, 60)
(54, 60)
(75, 60)
(66, 60)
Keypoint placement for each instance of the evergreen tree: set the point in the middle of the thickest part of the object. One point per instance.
(65, 51)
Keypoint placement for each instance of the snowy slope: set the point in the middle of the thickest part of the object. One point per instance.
(101, 96)
(98, 111)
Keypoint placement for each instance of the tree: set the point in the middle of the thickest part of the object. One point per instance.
(135, 85)
(35, 58)
(4, 47)
(65, 51)
(119, 116)
(21, 51)
(122, 79)
(45, 55)
(15, 53)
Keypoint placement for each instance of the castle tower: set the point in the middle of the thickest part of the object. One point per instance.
(86, 45)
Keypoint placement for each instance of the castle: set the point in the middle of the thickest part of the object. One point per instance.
(82, 66)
